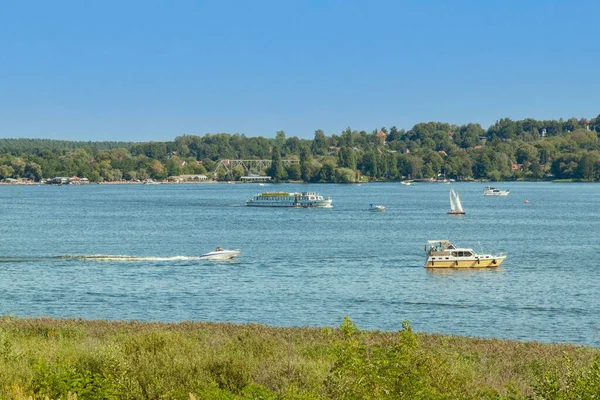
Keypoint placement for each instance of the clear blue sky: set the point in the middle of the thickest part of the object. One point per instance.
(153, 70)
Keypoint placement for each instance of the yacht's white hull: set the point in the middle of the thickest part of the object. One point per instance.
(497, 194)
(481, 261)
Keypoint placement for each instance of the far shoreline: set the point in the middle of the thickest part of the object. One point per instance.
(288, 182)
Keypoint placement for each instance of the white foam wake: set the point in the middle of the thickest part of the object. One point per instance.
(108, 257)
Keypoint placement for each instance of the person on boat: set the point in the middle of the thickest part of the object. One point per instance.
(219, 248)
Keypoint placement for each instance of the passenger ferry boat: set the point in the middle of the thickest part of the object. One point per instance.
(443, 254)
(490, 191)
(285, 199)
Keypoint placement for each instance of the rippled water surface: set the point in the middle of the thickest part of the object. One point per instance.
(131, 252)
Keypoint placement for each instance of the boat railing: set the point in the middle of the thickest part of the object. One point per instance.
(437, 253)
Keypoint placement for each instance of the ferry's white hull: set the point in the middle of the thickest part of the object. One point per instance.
(291, 204)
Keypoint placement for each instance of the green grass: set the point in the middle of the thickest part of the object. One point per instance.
(73, 358)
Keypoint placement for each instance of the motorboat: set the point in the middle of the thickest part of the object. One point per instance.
(376, 207)
(285, 199)
(490, 191)
(150, 182)
(444, 254)
(455, 204)
(220, 254)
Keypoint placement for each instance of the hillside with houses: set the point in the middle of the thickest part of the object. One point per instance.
(508, 150)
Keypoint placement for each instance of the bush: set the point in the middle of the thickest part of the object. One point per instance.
(396, 370)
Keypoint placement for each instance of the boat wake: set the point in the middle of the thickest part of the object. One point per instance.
(21, 259)
(101, 258)
(117, 258)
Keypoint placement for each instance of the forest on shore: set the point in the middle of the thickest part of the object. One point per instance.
(527, 149)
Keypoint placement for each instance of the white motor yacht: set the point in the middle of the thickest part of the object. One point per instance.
(443, 254)
(490, 191)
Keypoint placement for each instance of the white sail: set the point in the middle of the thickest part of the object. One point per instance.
(455, 205)
(452, 203)
(458, 204)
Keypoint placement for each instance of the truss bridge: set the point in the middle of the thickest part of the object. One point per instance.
(250, 166)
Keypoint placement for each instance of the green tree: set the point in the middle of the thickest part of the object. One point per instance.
(589, 165)
(18, 165)
(174, 166)
(527, 153)
(344, 175)
(326, 173)
(347, 158)
(469, 135)
(6, 171)
(277, 170)
(95, 177)
(368, 165)
(320, 143)
(33, 171)
(157, 170)
(280, 139)
(293, 172)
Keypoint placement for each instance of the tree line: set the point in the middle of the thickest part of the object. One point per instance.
(508, 150)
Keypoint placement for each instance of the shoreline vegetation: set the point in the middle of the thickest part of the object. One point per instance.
(33, 183)
(98, 359)
(528, 149)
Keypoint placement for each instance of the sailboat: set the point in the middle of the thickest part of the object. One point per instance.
(455, 205)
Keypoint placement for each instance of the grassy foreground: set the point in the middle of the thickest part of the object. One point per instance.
(81, 359)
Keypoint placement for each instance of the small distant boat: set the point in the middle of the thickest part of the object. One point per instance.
(443, 254)
(455, 204)
(220, 254)
(526, 201)
(150, 182)
(490, 191)
(376, 207)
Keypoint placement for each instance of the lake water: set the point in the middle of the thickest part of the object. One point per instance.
(306, 267)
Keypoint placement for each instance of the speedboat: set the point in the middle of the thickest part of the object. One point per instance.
(376, 207)
(220, 254)
(443, 254)
(490, 191)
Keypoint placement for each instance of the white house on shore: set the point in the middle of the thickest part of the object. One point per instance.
(188, 178)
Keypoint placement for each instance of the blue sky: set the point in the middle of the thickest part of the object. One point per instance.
(154, 70)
